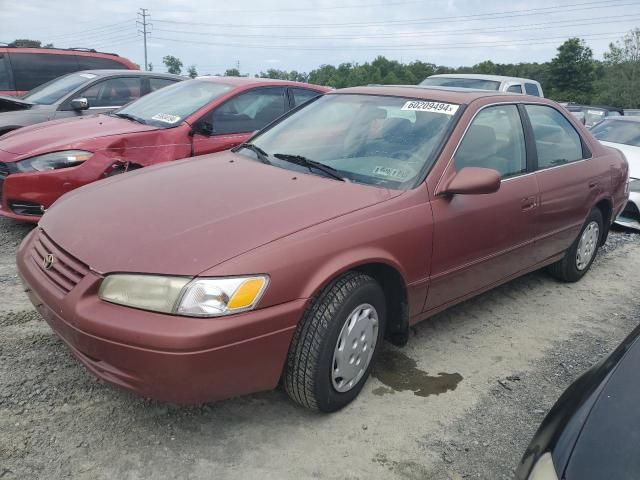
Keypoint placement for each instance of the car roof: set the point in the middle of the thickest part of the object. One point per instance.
(496, 78)
(122, 71)
(440, 94)
(242, 81)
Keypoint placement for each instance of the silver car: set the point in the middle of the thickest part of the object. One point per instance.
(80, 93)
(623, 133)
(498, 83)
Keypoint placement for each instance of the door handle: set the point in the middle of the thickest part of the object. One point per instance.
(529, 203)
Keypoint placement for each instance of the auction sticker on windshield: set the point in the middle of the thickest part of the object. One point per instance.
(166, 118)
(436, 107)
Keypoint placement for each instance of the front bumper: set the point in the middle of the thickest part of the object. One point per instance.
(175, 359)
(630, 215)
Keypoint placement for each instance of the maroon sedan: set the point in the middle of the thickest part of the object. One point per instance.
(291, 257)
(40, 163)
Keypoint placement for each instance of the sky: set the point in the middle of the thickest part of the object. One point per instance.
(294, 35)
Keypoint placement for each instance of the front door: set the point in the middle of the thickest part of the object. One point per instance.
(238, 118)
(481, 240)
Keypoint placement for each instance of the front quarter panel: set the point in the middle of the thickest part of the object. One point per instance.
(397, 233)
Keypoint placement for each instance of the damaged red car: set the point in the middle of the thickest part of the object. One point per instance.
(291, 257)
(40, 163)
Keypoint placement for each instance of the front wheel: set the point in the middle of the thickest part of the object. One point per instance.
(335, 344)
(578, 259)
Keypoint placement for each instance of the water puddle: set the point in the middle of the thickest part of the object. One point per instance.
(400, 373)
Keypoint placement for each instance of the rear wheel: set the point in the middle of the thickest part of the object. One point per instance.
(579, 257)
(335, 344)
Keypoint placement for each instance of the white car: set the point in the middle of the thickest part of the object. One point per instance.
(498, 83)
(623, 133)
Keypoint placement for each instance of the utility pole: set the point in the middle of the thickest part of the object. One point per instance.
(238, 64)
(144, 24)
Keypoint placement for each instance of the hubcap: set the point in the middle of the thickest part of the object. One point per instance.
(354, 348)
(587, 245)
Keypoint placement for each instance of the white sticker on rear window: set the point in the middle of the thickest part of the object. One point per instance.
(437, 107)
(391, 172)
(166, 118)
(88, 75)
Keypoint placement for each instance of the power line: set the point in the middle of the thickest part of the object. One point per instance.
(98, 36)
(525, 41)
(79, 32)
(429, 20)
(514, 28)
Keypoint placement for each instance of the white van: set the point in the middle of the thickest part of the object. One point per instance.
(485, 82)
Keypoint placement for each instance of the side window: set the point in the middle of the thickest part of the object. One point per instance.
(249, 111)
(4, 73)
(532, 89)
(33, 69)
(495, 139)
(557, 142)
(302, 95)
(94, 63)
(158, 83)
(113, 92)
(515, 89)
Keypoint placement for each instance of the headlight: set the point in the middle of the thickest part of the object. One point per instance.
(544, 469)
(199, 297)
(634, 185)
(53, 161)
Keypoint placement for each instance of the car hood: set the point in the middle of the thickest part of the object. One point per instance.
(67, 133)
(10, 104)
(185, 217)
(633, 157)
(608, 443)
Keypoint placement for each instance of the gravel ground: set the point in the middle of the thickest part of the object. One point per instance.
(462, 400)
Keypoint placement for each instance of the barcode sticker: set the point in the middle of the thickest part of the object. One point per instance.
(436, 107)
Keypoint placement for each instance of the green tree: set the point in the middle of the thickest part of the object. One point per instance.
(621, 73)
(173, 64)
(572, 72)
(232, 72)
(150, 67)
(192, 72)
(26, 43)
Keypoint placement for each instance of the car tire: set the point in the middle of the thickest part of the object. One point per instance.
(334, 338)
(579, 257)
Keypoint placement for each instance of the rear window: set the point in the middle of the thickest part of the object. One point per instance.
(476, 83)
(532, 89)
(33, 69)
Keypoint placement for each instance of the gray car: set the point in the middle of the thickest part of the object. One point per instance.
(80, 93)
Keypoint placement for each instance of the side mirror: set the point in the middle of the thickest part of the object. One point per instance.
(80, 103)
(474, 181)
(203, 128)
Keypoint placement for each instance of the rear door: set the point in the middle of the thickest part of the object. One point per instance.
(482, 240)
(568, 178)
(238, 118)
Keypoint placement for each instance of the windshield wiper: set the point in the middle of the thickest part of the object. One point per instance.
(260, 153)
(310, 164)
(128, 116)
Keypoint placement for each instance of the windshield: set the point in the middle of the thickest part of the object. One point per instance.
(618, 131)
(461, 83)
(376, 140)
(52, 91)
(170, 105)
